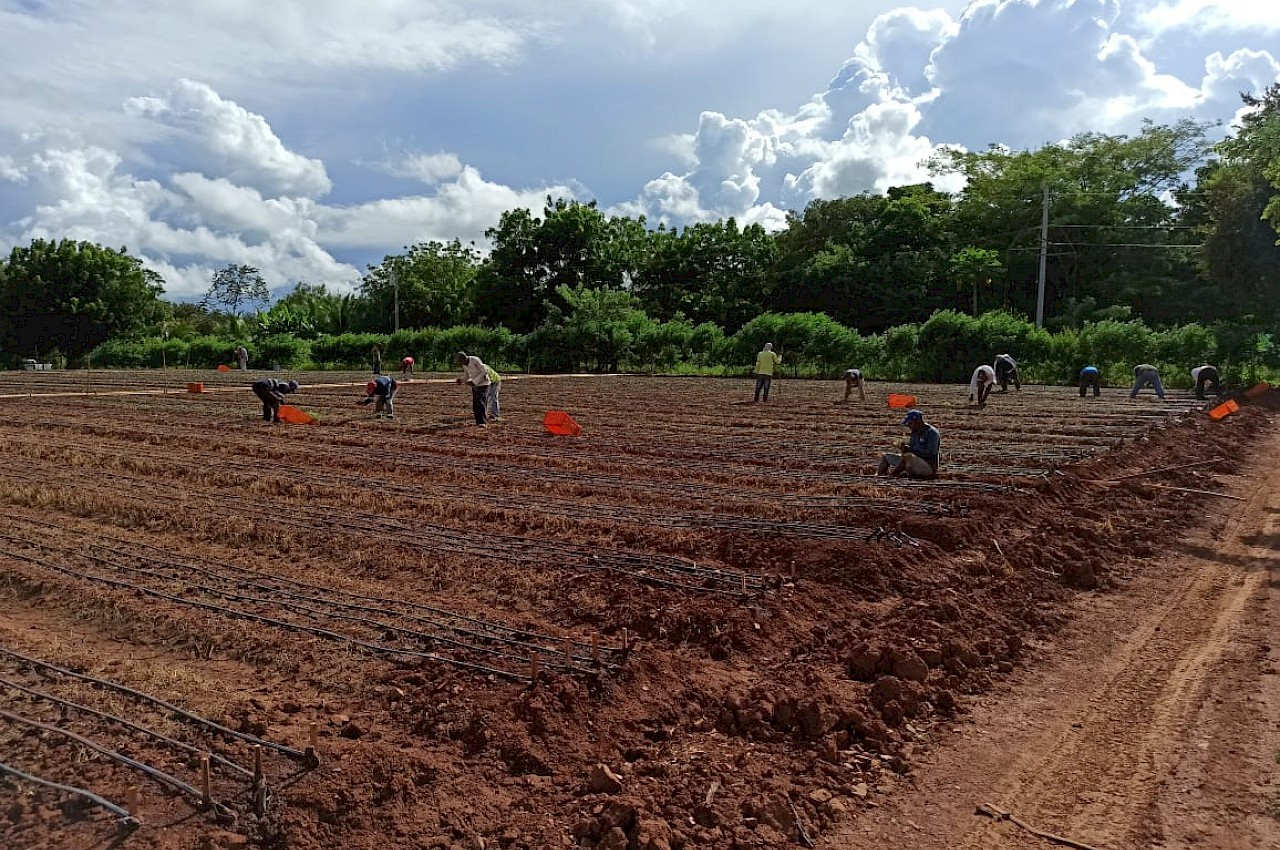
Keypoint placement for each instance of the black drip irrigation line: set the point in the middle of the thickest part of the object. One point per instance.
(296, 755)
(165, 779)
(450, 541)
(270, 621)
(128, 724)
(317, 613)
(127, 823)
(497, 630)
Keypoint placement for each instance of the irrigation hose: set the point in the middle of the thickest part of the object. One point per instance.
(127, 823)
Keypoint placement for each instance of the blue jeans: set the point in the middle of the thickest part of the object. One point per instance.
(1147, 379)
(763, 382)
(493, 400)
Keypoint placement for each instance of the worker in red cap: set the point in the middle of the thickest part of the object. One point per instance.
(381, 389)
(919, 457)
(406, 367)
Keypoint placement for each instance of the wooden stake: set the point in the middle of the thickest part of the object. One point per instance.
(257, 762)
(206, 781)
(744, 582)
(133, 800)
(533, 668)
(626, 641)
(568, 652)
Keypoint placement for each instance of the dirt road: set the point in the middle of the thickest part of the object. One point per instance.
(1154, 723)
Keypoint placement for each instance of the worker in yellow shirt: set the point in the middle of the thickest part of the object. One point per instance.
(765, 361)
(495, 386)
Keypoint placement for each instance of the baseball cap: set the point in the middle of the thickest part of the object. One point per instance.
(912, 416)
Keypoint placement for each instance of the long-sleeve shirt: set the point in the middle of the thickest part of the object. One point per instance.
(925, 444)
(477, 373)
(384, 386)
(982, 375)
(766, 360)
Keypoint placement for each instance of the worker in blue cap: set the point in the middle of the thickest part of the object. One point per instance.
(919, 457)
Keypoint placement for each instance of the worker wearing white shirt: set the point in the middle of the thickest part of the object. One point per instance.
(984, 378)
(476, 373)
(1206, 375)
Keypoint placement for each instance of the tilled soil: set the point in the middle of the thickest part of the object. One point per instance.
(702, 624)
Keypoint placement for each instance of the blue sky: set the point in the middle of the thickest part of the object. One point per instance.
(312, 137)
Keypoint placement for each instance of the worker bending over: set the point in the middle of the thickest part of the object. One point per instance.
(476, 374)
(984, 378)
(1090, 376)
(382, 389)
(1206, 375)
(919, 457)
(853, 378)
(1007, 370)
(406, 367)
(766, 360)
(492, 407)
(272, 392)
(1146, 375)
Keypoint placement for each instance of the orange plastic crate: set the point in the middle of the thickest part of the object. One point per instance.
(1224, 410)
(900, 400)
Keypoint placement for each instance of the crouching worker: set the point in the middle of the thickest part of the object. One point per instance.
(381, 389)
(1203, 376)
(406, 366)
(272, 392)
(476, 374)
(919, 457)
(1146, 375)
(853, 378)
(1007, 370)
(1090, 377)
(984, 378)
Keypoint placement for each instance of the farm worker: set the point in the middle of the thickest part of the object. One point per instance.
(475, 373)
(491, 400)
(242, 357)
(984, 377)
(1206, 375)
(383, 390)
(406, 366)
(1146, 375)
(272, 393)
(376, 356)
(919, 457)
(853, 378)
(1007, 370)
(765, 361)
(1090, 377)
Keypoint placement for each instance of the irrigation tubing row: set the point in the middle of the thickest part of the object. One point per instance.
(128, 724)
(232, 613)
(127, 821)
(166, 779)
(289, 752)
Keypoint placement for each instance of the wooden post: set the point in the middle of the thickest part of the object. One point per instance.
(311, 743)
(626, 641)
(744, 582)
(206, 782)
(257, 762)
(533, 668)
(568, 652)
(133, 800)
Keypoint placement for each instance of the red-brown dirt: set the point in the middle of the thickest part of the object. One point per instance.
(760, 636)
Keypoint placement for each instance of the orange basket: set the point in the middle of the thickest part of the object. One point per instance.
(899, 400)
(1224, 410)
(195, 388)
(223, 367)
(1257, 389)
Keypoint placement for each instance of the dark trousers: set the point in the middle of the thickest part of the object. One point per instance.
(1090, 380)
(1208, 376)
(270, 404)
(763, 382)
(479, 401)
(1004, 376)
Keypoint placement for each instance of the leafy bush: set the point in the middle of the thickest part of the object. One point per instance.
(209, 352)
(283, 350)
(347, 351)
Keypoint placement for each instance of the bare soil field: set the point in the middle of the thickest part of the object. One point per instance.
(702, 623)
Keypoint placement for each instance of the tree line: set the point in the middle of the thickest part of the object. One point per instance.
(1131, 241)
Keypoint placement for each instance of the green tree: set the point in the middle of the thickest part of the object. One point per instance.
(976, 268)
(70, 296)
(436, 281)
(234, 287)
(572, 245)
(1111, 227)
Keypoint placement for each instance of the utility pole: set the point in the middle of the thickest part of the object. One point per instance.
(395, 284)
(1044, 256)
